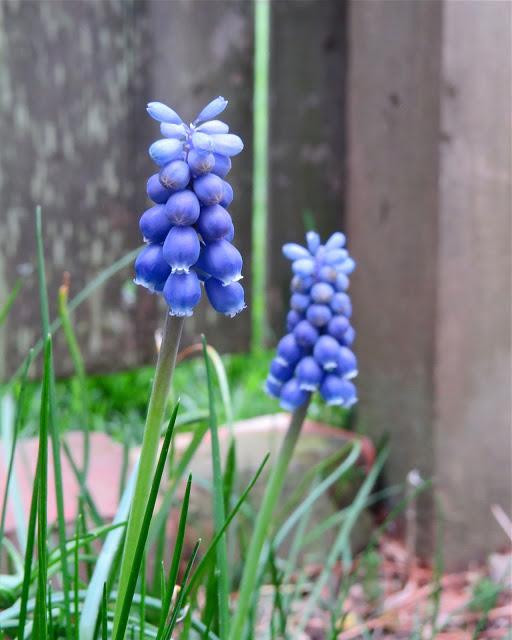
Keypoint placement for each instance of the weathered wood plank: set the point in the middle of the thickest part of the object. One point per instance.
(69, 89)
(307, 76)
(74, 81)
(429, 194)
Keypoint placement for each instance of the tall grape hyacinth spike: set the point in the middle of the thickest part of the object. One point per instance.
(189, 234)
(315, 354)
(189, 230)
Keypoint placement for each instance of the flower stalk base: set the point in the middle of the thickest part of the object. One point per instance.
(149, 450)
(263, 520)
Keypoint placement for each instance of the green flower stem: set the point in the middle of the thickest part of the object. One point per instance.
(263, 521)
(149, 451)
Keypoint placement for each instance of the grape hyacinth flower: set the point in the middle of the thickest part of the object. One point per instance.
(189, 234)
(189, 230)
(316, 352)
(314, 355)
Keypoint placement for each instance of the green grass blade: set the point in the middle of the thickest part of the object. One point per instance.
(29, 551)
(104, 611)
(228, 488)
(218, 505)
(40, 617)
(175, 564)
(211, 548)
(6, 307)
(142, 538)
(78, 364)
(18, 421)
(222, 379)
(181, 598)
(81, 297)
(341, 545)
(160, 518)
(76, 577)
(84, 491)
(50, 614)
(260, 172)
(314, 495)
(142, 605)
(104, 564)
(53, 429)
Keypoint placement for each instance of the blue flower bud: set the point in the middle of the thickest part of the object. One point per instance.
(309, 374)
(294, 251)
(183, 208)
(292, 319)
(337, 327)
(200, 162)
(202, 142)
(318, 314)
(336, 241)
(302, 284)
(340, 303)
(347, 266)
(305, 334)
(222, 260)
(171, 130)
(292, 396)
(288, 350)
(182, 292)
(175, 175)
(164, 151)
(151, 270)
(303, 267)
(156, 190)
(335, 256)
(222, 165)
(337, 391)
(212, 110)
(313, 241)
(299, 302)
(213, 126)
(272, 387)
(347, 363)
(214, 223)
(227, 194)
(349, 336)
(322, 293)
(162, 113)
(227, 144)
(326, 352)
(227, 299)
(328, 273)
(280, 372)
(181, 248)
(154, 224)
(342, 282)
(231, 233)
(209, 189)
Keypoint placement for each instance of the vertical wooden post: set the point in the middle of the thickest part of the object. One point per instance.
(429, 193)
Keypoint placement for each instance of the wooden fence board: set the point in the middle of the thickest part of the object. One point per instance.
(307, 78)
(74, 81)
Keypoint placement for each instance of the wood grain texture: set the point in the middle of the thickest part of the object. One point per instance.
(429, 186)
(307, 155)
(74, 81)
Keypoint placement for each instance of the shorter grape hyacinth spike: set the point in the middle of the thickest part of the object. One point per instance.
(189, 230)
(315, 354)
